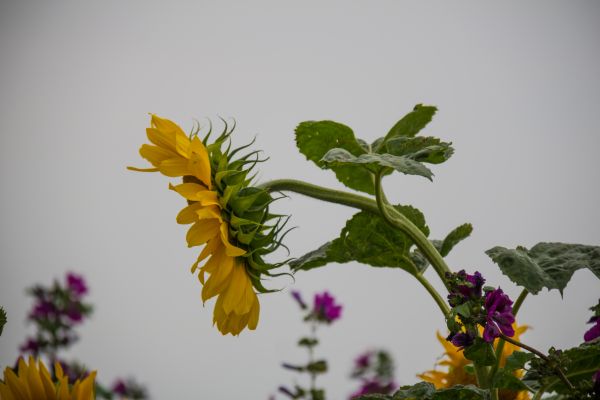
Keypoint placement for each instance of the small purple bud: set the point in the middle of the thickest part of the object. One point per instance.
(119, 387)
(364, 360)
(298, 297)
(461, 340)
(76, 284)
(594, 331)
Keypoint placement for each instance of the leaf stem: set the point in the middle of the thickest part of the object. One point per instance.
(541, 355)
(434, 293)
(366, 204)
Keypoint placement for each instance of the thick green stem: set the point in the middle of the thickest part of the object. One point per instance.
(363, 203)
(501, 342)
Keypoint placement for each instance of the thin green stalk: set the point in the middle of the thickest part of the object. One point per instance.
(501, 342)
(541, 355)
(434, 293)
(363, 203)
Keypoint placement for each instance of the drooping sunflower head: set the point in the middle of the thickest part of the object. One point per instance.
(228, 216)
(33, 382)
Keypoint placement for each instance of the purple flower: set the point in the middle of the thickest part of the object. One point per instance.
(372, 386)
(30, 346)
(594, 331)
(364, 360)
(465, 287)
(499, 316)
(43, 309)
(460, 340)
(74, 314)
(76, 284)
(325, 308)
(298, 297)
(119, 387)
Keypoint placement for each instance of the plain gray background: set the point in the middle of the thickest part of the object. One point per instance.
(517, 85)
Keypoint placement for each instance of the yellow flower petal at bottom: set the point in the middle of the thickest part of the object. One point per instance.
(31, 383)
(234, 323)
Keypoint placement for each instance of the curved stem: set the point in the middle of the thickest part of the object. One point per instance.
(363, 203)
(501, 342)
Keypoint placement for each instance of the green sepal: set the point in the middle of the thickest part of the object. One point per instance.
(480, 352)
(546, 265)
(3, 319)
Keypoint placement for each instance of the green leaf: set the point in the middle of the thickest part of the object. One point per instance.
(481, 352)
(368, 239)
(506, 380)
(336, 158)
(315, 138)
(583, 363)
(426, 391)
(421, 148)
(453, 238)
(317, 367)
(308, 342)
(546, 265)
(517, 360)
(412, 123)
(3, 319)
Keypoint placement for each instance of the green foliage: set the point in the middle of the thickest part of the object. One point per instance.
(579, 364)
(505, 377)
(411, 124)
(2, 319)
(317, 367)
(422, 148)
(456, 236)
(517, 360)
(426, 391)
(368, 239)
(480, 352)
(315, 138)
(308, 342)
(546, 265)
(331, 145)
(374, 162)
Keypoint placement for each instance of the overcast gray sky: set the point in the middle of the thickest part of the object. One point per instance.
(518, 92)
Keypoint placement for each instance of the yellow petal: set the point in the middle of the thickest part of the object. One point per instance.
(188, 214)
(175, 135)
(190, 191)
(199, 161)
(220, 278)
(230, 249)
(47, 382)
(18, 390)
(254, 312)
(202, 231)
(36, 387)
(236, 288)
(174, 167)
(155, 155)
(142, 169)
(162, 138)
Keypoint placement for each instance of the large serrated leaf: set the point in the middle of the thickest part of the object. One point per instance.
(546, 265)
(373, 162)
(315, 138)
(457, 235)
(421, 148)
(426, 391)
(368, 239)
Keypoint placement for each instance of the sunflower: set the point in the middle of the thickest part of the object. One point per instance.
(456, 363)
(227, 216)
(35, 382)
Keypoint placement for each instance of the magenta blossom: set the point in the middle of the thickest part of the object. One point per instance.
(499, 317)
(594, 331)
(364, 360)
(465, 287)
(325, 308)
(76, 284)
